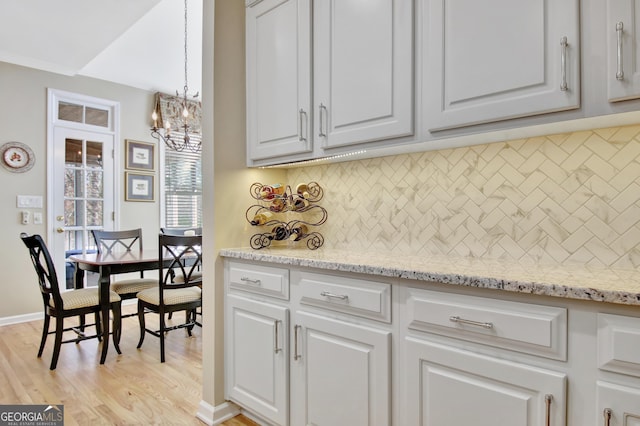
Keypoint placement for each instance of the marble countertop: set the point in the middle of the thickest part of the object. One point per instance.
(575, 282)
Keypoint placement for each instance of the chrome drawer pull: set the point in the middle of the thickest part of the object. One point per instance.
(607, 416)
(487, 325)
(296, 355)
(321, 132)
(620, 72)
(334, 296)
(547, 399)
(303, 117)
(563, 63)
(275, 325)
(250, 281)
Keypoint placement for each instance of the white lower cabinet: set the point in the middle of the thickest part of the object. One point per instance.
(341, 373)
(257, 361)
(304, 347)
(449, 386)
(617, 405)
(314, 359)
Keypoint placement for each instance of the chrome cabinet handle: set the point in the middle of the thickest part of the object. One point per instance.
(302, 114)
(487, 325)
(276, 348)
(250, 281)
(563, 63)
(321, 133)
(334, 296)
(547, 399)
(607, 416)
(620, 72)
(296, 355)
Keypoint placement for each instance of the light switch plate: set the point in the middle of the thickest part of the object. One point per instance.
(29, 201)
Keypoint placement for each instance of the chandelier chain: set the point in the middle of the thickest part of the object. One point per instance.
(172, 141)
(186, 86)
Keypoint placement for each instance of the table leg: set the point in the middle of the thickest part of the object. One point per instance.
(103, 285)
(78, 284)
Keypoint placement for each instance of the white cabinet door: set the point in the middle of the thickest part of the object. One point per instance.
(363, 78)
(496, 59)
(617, 405)
(623, 49)
(278, 78)
(448, 386)
(340, 372)
(256, 357)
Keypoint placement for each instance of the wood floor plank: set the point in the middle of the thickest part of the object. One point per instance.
(134, 388)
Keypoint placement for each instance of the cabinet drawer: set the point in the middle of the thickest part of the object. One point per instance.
(618, 343)
(536, 329)
(366, 299)
(259, 279)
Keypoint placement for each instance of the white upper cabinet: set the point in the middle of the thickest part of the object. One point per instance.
(623, 49)
(498, 59)
(363, 70)
(278, 78)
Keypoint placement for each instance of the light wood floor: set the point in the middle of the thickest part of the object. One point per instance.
(129, 389)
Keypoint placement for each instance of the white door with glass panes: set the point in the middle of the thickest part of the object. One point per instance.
(81, 190)
(84, 198)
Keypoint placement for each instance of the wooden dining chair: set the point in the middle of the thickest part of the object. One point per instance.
(181, 231)
(186, 257)
(61, 305)
(123, 241)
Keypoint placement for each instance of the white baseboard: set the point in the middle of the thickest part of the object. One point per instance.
(16, 319)
(211, 415)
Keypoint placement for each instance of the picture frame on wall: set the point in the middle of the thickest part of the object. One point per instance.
(139, 186)
(139, 155)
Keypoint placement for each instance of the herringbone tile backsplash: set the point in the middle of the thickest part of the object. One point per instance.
(562, 199)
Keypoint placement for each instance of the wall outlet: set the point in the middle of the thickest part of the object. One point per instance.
(26, 216)
(37, 218)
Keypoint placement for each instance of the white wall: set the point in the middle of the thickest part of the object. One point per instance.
(23, 112)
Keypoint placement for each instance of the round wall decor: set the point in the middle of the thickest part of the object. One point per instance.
(17, 157)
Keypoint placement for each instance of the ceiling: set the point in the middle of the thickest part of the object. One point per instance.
(137, 43)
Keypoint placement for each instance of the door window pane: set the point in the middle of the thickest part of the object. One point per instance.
(94, 213)
(97, 117)
(94, 184)
(73, 212)
(94, 154)
(73, 152)
(70, 112)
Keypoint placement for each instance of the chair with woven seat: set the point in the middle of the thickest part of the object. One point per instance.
(61, 305)
(123, 241)
(186, 257)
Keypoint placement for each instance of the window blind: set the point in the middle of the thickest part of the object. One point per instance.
(183, 187)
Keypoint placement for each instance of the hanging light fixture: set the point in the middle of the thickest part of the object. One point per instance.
(178, 141)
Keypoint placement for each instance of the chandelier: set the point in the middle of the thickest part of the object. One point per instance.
(180, 140)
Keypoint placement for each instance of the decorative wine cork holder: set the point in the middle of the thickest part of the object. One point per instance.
(276, 205)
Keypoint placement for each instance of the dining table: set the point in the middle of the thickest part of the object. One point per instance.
(113, 263)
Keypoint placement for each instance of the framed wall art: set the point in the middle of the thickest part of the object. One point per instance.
(140, 155)
(138, 186)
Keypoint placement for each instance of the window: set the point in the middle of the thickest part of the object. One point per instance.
(183, 187)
